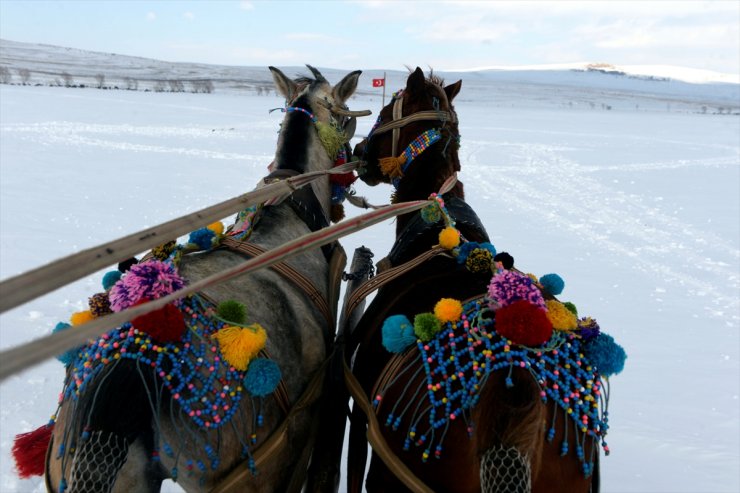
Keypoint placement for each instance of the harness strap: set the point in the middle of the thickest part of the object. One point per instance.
(418, 116)
(386, 276)
(377, 441)
(288, 273)
(235, 480)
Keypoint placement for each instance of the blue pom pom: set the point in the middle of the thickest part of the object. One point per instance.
(466, 248)
(67, 357)
(263, 376)
(552, 283)
(202, 237)
(605, 354)
(110, 278)
(398, 333)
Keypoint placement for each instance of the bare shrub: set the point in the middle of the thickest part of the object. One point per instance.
(25, 75)
(5, 76)
(100, 79)
(67, 79)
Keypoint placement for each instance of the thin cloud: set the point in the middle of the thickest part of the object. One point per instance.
(312, 37)
(246, 5)
(189, 16)
(151, 16)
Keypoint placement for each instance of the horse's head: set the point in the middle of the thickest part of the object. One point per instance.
(414, 142)
(317, 122)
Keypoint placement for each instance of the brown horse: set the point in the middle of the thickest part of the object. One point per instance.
(502, 442)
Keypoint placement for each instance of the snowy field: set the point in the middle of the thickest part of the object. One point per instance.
(637, 210)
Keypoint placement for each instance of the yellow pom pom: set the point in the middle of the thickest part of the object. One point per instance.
(79, 318)
(560, 317)
(217, 227)
(240, 345)
(448, 310)
(449, 238)
(534, 278)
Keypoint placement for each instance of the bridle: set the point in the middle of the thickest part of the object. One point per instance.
(395, 167)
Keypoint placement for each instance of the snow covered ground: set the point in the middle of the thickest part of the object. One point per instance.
(636, 208)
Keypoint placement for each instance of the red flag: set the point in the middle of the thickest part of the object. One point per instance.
(378, 82)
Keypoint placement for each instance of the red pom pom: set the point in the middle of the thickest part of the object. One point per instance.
(345, 179)
(29, 451)
(163, 325)
(523, 323)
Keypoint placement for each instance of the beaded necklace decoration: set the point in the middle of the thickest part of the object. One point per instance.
(446, 357)
(206, 376)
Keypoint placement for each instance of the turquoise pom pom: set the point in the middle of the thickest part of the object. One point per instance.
(263, 376)
(110, 278)
(67, 357)
(605, 354)
(398, 333)
(552, 283)
(202, 237)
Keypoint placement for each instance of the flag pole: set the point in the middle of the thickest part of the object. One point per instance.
(383, 89)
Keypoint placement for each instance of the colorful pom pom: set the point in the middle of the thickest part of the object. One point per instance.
(398, 333)
(79, 318)
(149, 280)
(588, 328)
(448, 310)
(449, 238)
(605, 354)
(431, 214)
(202, 238)
(240, 345)
(507, 261)
(426, 325)
(479, 261)
(99, 305)
(29, 451)
(509, 286)
(552, 284)
(164, 325)
(110, 278)
(262, 378)
(523, 323)
(560, 317)
(217, 227)
(162, 252)
(232, 311)
(68, 356)
(570, 306)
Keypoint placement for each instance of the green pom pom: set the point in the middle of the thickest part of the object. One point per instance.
(426, 325)
(571, 307)
(232, 311)
(479, 261)
(431, 214)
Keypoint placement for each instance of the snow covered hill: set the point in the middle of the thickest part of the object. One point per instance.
(584, 85)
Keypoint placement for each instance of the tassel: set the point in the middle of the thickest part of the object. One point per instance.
(392, 167)
(240, 344)
(336, 213)
(29, 451)
(331, 138)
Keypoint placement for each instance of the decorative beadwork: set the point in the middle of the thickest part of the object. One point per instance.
(420, 144)
(457, 361)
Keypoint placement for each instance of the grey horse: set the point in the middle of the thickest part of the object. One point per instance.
(125, 430)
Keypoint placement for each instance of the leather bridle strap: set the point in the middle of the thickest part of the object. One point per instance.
(289, 273)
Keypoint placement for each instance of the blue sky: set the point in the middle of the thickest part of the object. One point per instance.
(383, 34)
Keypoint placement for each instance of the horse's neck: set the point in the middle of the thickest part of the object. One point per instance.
(423, 182)
(315, 158)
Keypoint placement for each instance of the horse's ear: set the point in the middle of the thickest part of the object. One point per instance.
(415, 82)
(284, 84)
(317, 75)
(346, 87)
(452, 90)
